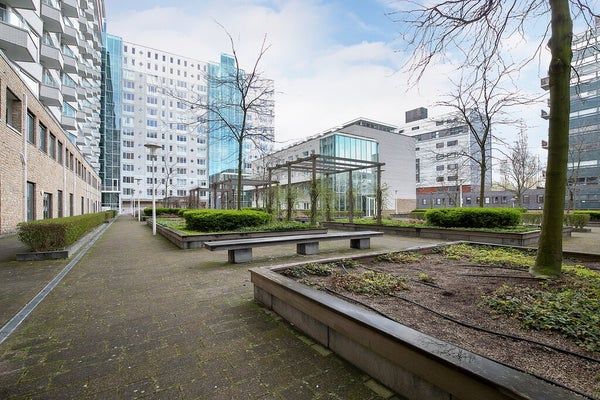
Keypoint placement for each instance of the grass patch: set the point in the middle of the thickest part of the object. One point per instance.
(179, 224)
(369, 283)
(400, 257)
(569, 306)
(489, 255)
(312, 269)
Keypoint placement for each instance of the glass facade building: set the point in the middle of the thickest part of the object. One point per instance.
(110, 121)
(584, 123)
(223, 96)
(363, 182)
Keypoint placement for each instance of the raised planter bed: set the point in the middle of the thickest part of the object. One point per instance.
(412, 363)
(196, 241)
(506, 238)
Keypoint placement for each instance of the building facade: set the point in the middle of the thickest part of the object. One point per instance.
(359, 139)
(55, 46)
(445, 155)
(42, 173)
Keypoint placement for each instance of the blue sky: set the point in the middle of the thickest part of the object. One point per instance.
(332, 61)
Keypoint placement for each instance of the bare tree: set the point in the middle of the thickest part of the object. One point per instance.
(482, 99)
(477, 29)
(576, 149)
(520, 170)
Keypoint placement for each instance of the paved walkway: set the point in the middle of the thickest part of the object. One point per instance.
(138, 317)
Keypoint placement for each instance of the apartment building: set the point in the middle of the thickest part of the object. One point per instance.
(43, 174)
(360, 139)
(55, 46)
(445, 152)
(163, 98)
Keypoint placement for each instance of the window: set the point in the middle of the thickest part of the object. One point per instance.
(439, 145)
(151, 123)
(30, 128)
(152, 135)
(452, 143)
(424, 201)
(152, 100)
(439, 179)
(52, 146)
(439, 168)
(127, 167)
(487, 200)
(30, 201)
(13, 110)
(128, 84)
(540, 198)
(59, 152)
(181, 160)
(127, 143)
(43, 138)
(438, 201)
(128, 156)
(128, 108)
(82, 203)
(468, 200)
(452, 178)
(59, 204)
(128, 96)
(128, 179)
(526, 199)
(71, 207)
(47, 204)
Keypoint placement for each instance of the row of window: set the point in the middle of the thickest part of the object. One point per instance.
(163, 57)
(53, 204)
(452, 198)
(38, 135)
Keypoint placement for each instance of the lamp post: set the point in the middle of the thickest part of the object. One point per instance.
(139, 211)
(153, 147)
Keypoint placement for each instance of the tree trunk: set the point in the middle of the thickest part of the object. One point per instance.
(482, 180)
(549, 256)
(239, 174)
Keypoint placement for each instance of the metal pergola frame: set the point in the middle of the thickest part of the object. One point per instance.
(327, 165)
(227, 187)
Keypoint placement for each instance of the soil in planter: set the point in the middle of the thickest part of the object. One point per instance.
(482, 299)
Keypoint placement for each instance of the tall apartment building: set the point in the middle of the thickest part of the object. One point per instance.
(584, 121)
(444, 158)
(161, 102)
(360, 139)
(55, 45)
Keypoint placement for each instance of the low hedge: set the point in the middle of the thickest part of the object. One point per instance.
(58, 233)
(224, 220)
(162, 211)
(577, 220)
(473, 217)
(594, 215)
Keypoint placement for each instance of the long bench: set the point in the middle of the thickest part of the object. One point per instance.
(240, 250)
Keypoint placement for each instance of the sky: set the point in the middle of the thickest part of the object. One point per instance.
(332, 61)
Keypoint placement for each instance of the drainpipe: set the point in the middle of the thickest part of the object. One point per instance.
(24, 154)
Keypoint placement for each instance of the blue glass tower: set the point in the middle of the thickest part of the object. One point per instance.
(110, 121)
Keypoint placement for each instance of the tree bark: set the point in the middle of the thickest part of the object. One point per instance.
(549, 256)
(239, 175)
(482, 180)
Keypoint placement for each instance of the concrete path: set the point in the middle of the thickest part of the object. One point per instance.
(139, 318)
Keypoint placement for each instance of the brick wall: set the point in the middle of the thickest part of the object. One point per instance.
(47, 173)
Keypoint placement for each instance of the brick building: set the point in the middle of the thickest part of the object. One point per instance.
(42, 173)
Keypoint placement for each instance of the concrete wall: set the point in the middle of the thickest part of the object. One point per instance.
(47, 173)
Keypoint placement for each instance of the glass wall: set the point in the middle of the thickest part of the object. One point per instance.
(363, 181)
(110, 121)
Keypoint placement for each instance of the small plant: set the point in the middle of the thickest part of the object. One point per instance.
(400, 257)
(313, 269)
(369, 283)
(425, 277)
(348, 263)
(489, 255)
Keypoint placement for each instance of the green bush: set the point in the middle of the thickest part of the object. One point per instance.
(578, 220)
(594, 215)
(532, 218)
(473, 217)
(224, 220)
(162, 211)
(58, 233)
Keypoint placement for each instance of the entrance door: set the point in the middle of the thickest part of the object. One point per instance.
(370, 207)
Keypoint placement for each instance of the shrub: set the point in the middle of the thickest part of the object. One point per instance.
(419, 210)
(577, 220)
(473, 217)
(594, 215)
(162, 211)
(224, 220)
(58, 233)
(532, 218)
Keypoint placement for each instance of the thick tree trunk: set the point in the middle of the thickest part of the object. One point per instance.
(239, 174)
(549, 256)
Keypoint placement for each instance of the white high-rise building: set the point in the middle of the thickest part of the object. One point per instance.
(55, 46)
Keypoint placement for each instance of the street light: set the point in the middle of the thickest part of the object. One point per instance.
(153, 147)
(139, 211)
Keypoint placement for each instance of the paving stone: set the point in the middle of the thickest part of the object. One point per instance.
(139, 318)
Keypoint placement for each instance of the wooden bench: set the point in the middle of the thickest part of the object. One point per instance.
(240, 250)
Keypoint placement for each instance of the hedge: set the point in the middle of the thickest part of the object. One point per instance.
(162, 211)
(58, 233)
(577, 220)
(594, 215)
(473, 217)
(224, 220)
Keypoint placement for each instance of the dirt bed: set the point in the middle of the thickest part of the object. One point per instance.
(456, 288)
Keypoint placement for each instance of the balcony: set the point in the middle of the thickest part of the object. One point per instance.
(50, 95)
(26, 4)
(16, 41)
(69, 8)
(68, 123)
(70, 36)
(545, 83)
(51, 57)
(69, 93)
(80, 116)
(52, 18)
(70, 64)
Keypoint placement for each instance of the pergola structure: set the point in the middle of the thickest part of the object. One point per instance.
(326, 165)
(226, 187)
